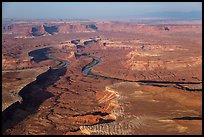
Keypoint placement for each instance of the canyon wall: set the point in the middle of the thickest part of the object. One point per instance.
(39, 29)
(115, 27)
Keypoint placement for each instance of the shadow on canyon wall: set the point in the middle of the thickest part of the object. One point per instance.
(33, 95)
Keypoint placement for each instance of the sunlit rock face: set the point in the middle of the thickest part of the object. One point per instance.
(74, 78)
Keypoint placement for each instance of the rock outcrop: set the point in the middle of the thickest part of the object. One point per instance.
(39, 29)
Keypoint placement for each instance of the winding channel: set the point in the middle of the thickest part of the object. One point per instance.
(35, 92)
(45, 54)
(95, 61)
(33, 96)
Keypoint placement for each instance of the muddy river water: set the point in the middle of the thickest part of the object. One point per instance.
(95, 61)
(46, 54)
(33, 100)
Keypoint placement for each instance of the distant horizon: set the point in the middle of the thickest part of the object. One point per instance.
(75, 19)
(101, 10)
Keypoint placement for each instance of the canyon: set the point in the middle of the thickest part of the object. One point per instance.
(101, 78)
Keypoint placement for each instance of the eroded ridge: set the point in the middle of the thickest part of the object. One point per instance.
(102, 78)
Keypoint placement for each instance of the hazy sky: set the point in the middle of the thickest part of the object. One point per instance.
(93, 10)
